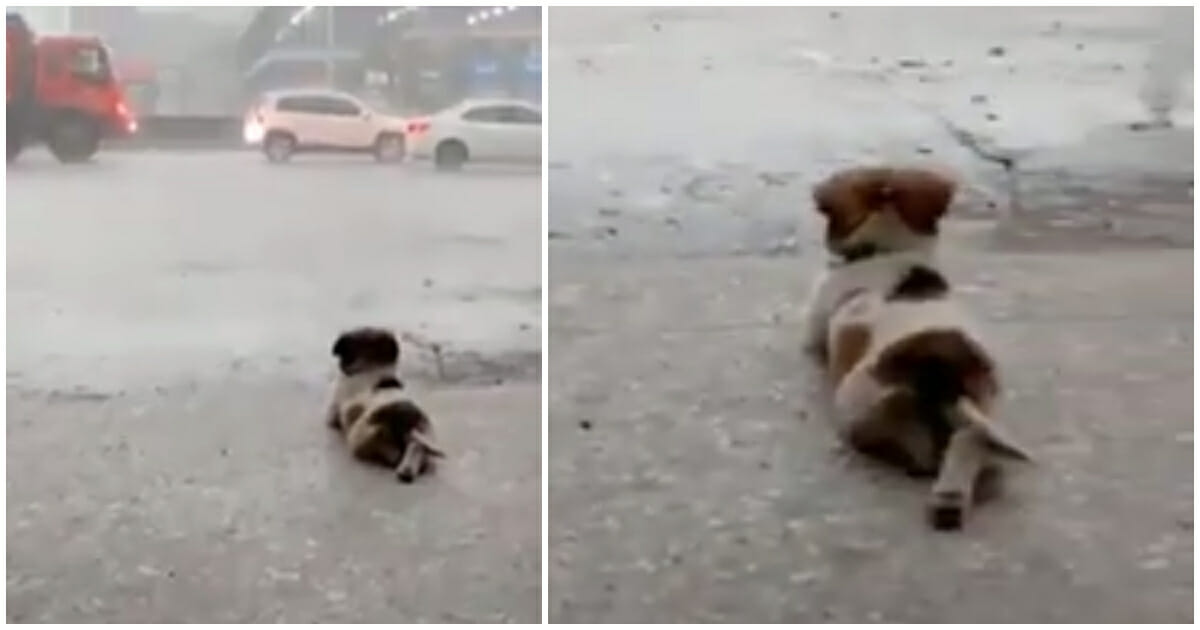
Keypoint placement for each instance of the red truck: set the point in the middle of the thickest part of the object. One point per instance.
(61, 91)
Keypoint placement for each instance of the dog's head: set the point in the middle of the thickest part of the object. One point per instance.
(871, 210)
(365, 348)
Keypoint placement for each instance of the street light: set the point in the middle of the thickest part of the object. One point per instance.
(487, 13)
(300, 15)
(303, 15)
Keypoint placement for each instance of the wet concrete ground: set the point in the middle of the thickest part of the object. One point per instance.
(693, 476)
(728, 131)
(170, 319)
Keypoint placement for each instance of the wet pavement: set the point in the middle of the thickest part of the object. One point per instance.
(170, 316)
(693, 476)
(720, 157)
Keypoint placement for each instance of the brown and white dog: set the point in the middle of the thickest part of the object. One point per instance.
(913, 383)
(371, 410)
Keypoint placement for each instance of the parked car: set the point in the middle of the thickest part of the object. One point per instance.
(479, 130)
(287, 122)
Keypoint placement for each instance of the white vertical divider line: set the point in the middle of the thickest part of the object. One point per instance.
(545, 322)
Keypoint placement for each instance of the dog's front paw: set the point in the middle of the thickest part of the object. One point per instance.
(947, 510)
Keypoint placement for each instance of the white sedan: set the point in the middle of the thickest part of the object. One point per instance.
(482, 130)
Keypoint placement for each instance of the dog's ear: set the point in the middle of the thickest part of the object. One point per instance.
(380, 347)
(920, 197)
(346, 349)
(917, 197)
(848, 198)
(343, 346)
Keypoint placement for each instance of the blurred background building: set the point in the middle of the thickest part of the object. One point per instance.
(215, 60)
(173, 60)
(411, 57)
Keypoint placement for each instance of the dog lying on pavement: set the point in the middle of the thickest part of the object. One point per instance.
(913, 383)
(371, 410)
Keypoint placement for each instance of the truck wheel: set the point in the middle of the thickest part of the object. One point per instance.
(73, 139)
(450, 155)
(14, 143)
(278, 146)
(389, 147)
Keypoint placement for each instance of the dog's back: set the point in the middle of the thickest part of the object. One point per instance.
(914, 335)
(392, 409)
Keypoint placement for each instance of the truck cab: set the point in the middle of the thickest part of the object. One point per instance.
(61, 90)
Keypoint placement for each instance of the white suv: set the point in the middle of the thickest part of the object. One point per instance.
(325, 121)
(479, 129)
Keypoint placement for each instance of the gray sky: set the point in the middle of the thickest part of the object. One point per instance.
(54, 19)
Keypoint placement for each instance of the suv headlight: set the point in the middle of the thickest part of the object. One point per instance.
(252, 132)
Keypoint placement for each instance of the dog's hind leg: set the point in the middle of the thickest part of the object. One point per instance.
(412, 463)
(894, 430)
(331, 417)
(967, 413)
(966, 457)
(364, 439)
(816, 323)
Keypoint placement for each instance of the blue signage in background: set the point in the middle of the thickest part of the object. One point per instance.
(486, 67)
(531, 78)
(485, 77)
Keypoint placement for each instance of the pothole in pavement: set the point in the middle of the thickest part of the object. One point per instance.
(1069, 211)
(473, 294)
(438, 363)
(468, 367)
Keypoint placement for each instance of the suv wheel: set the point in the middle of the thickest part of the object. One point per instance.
(279, 146)
(450, 155)
(389, 147)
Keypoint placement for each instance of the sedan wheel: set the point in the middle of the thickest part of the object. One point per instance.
(450, 155)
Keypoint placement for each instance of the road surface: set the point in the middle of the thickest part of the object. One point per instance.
(170, 317)
(693, 475)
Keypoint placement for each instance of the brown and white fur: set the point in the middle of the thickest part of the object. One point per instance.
(371, 410)
(913, 383)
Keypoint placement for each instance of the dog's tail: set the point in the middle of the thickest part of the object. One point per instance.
(950, 375)
(406, 421)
